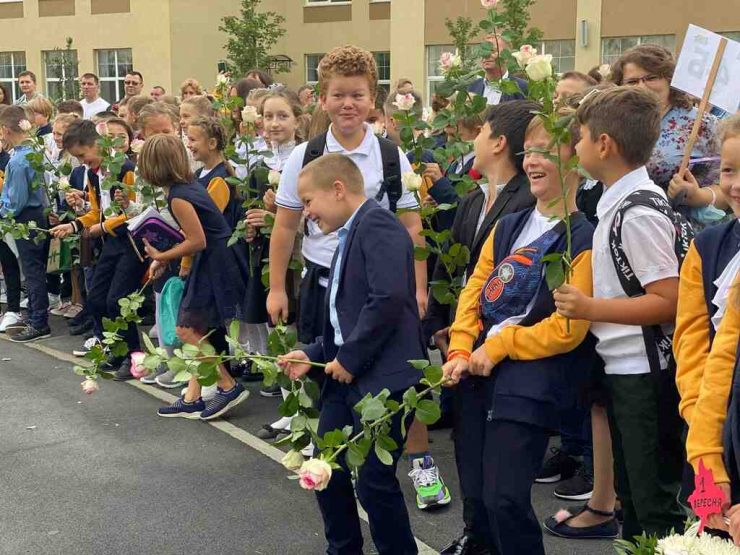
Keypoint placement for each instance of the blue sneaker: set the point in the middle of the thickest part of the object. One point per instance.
(223, 401)
(183, 409)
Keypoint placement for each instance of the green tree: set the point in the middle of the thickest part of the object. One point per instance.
(252, 34)
(462, 31)
(516, 18)
(62, 64)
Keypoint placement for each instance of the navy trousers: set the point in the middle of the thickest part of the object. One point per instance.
(118, 273)
(497, 463)
(377, 487)
(33, 255)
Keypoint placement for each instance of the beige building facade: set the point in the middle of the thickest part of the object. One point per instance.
(170, 40)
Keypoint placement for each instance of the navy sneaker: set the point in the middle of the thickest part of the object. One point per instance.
(224, 401)
(182, 409)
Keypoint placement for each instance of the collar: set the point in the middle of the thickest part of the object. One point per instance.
(466, 158)
(344, 230)
(625, 185)
(365, 148)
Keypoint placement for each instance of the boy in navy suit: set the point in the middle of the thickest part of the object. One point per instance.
(371, 331)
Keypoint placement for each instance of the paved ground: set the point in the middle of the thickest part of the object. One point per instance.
(104, 475)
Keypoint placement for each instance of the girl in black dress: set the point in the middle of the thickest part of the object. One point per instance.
(215, 287)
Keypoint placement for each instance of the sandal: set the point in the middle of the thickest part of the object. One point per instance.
(557, 525)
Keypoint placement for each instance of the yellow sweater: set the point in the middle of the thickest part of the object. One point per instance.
(705, 430)
(95, 214)
(691, 338)
(546, 338)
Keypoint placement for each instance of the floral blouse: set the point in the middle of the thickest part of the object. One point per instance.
(675, 129)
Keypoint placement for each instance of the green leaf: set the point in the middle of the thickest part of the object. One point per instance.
(290, 406)
(148, 343)
(419, 364)
(421, 253)
(312, 389)
(372, 410)
(383, 455)
(554, 275)
(386, 442)
(427, 411)
(433, 374)
(354, 456)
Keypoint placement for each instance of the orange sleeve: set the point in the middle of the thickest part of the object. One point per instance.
(92, 216)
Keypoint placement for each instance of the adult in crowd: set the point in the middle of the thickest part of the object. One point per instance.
(92, 102)
(306, 96)
(261, 76)
(495, 71)
(694, 193)
(27, 84)
(190, 87)
(157, 92)
(5, 96)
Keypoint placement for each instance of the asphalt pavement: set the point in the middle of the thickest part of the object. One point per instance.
(102, 474)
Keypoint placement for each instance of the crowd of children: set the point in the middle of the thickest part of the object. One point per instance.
(632, 360)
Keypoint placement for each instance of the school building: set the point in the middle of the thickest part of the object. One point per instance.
(170, 40)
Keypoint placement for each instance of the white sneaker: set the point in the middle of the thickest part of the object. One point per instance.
(153, 333)
(207, 392)
(307, 451)
(10, 319)
(55, 301)
(86, 347)
(60, 309)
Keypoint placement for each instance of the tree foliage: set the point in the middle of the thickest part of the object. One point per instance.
(252, 35)
(516, 16)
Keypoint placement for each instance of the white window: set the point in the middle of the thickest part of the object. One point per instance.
(732, 35)
(61, 74)
(434, 74)
(11, 64)
(326, 2)
(312, 68)
(113, 65)
(563, 54)
(383, 61)
(613, 47)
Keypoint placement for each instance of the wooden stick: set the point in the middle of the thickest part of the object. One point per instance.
(702, 106)
(133, 244)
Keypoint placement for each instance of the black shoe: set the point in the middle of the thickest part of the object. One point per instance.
(124, 371)
(560, 466)
(272, 391)
(557, 525)
(29, 333)
(444, 422)
(465, 545)
(578, 488)
(81, 328)
(112, 364)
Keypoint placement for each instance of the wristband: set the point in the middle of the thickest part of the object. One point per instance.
(452, 355)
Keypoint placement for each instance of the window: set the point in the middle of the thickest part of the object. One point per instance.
(383, 61)
(434, 75)
(11, 64)
(312, 68)
(61, 73)
(326, 2)
(113, 65)
(732, 35)
(612, 48)
(563, 54)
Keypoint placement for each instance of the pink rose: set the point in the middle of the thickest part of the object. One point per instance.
(136, 146)
(90, 386)
(488, 4)
(448, 60)
(138, 370)
(314, 475)
(524, 54)
(25, 125)
(404, 101)
(102, 128)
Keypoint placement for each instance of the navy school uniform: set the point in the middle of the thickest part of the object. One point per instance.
(379, 324)
(215, 286)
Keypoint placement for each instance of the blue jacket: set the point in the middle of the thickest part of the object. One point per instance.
(19, 191)
(479, 86)
(376, 306)
(535, 391)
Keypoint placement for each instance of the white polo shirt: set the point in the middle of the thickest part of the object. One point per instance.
(648, 238)
(317, 247)
(95, 107)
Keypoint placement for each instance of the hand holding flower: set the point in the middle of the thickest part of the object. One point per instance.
(572, 303)
(152, 252)
(336, 371)
(294, 370)
(62, 231)
(480, 364)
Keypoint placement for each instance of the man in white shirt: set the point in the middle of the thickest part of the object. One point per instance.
(92, 102)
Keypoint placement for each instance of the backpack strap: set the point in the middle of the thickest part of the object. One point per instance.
(656, 341)
(391, 185)
(314, 149)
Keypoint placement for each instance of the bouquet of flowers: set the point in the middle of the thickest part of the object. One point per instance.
(688, 543)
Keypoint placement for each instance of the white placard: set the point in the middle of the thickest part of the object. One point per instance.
(695, 61)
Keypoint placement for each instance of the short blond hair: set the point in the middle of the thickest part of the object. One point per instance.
(158, 109)
(729, 128)
(348, 61)
(41, 105)
(136, 103)
(193, 84)
(330, 168)
(201, 104)
(163, 161)
(66, 119)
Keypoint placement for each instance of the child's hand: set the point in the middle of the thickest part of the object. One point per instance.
(250, 233)
(442, 340)
(53, 218)
(734, 515)
(454, 371)
(294, 370)
(433, 172)
(256, 217)
(269, 200)
(336, 371)
(428, 202)
(122, 199)
(75, 199)
(480, 364)
(717, 521)
(184, 271)
(151, 252)
(96, 230)
(572, 303)
(156, 270)
(686, 182)
(62, 231)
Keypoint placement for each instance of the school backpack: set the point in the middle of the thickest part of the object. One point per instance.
(390, 156)
(656, 341)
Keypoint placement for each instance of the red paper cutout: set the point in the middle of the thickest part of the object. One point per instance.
(707, 498)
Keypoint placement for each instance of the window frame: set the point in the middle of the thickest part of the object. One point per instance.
(45, 55)
(429, 79)
(315, 3)
(305, 73)
(119, 77)
(641, 39)
(12, 83)
(557, 66)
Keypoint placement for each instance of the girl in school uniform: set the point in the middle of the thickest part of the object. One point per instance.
(215, 285)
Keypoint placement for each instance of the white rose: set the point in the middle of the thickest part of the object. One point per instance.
(136, 146)
(411, 181)
(524, 54)
(539, 68)
(605, 70)
(102, 128)
(222, 79)
(314, 475)
(250, 114)
(292, 460)
(25, 125)
(273, 178)
(64, 183)
(404, 101)
(90, 386)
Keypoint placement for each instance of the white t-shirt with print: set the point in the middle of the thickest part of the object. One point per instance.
(317, 247)
(648, 238)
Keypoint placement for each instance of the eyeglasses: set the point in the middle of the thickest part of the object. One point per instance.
(644, 79)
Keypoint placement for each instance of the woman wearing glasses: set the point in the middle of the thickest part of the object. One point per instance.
(696, 193)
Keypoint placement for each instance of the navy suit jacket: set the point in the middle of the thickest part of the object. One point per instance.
(376, 306)
(479, 86)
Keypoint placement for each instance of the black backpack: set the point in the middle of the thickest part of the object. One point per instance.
(656, 341)
(390, 156)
